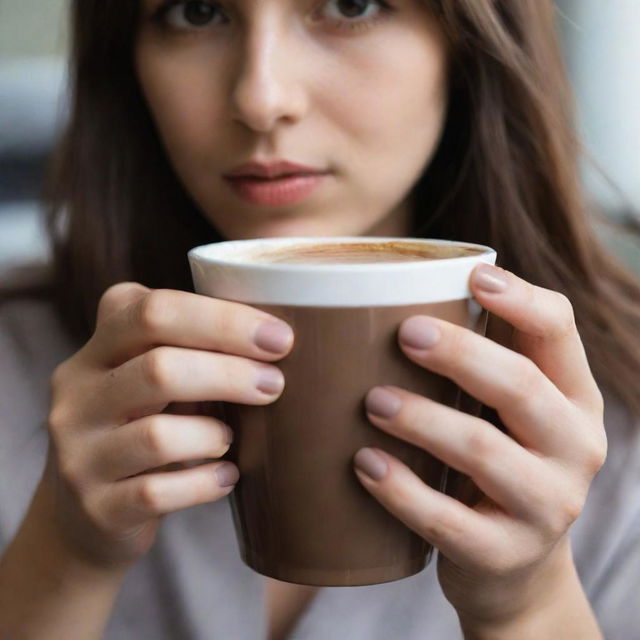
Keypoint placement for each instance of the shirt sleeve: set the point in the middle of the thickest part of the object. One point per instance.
(31, 346)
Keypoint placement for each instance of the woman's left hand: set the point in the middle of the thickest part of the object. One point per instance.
(499, 555)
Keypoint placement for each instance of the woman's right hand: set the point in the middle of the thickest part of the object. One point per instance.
(108, 436)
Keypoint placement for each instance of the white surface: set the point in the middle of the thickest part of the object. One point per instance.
(218, 272)
(33, 27)
(603, 54)
(22, 236)
(33, 104)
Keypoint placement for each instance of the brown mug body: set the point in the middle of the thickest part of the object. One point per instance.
(300, 512)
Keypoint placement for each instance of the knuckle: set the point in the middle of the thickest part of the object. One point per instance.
(481, 448)
(119, 294)
(57, 422)
(113, 293)
(571, 510)
(525, 381)
(566, 512)
(596, 456)
(153, 436)
(150, 496)
(153, 311)
(565, 318)
(157, 367)
(119, 289)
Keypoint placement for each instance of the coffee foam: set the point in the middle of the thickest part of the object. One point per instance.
(355, 253)
(252, 271)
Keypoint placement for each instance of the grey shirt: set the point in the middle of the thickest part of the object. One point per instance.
(193, 585)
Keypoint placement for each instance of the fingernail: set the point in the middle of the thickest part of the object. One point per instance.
(419, 333)
(372, 464)
(383, 403)
(228, 434)
(270, 381)
(227, 475)
(489, 279)
(275, 337)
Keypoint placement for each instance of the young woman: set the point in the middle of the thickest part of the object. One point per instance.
(422, 118)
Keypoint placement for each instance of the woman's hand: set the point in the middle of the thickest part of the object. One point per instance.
(501, 557)
(108, 480)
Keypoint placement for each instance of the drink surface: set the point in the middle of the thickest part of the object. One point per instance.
(358, 253)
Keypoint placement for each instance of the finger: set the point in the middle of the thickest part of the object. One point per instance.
(132, 502)
(537, 414)
(511, 476)
(156, 441)
(118, 297)
(166, 317)
(171, 374)
(545, 330)
(455, 529)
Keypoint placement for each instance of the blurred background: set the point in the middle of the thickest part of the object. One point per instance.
(602, 50)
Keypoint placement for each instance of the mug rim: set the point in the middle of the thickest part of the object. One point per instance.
(227, 253)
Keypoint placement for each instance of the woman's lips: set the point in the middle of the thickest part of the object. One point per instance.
(276, 192)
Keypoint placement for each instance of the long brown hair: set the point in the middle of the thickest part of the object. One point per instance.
(505, 174)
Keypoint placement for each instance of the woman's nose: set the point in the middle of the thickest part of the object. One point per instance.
(268, 87)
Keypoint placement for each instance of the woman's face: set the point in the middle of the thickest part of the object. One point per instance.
(355, 88)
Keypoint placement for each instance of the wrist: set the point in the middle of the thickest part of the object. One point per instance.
(48, 592)
(550, 605)
(41, 536)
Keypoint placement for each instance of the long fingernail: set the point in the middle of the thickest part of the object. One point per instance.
(419, 333)
(371, 463)
(383, 403)
(489, 279)
(275, 337)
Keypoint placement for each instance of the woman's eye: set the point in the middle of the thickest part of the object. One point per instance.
(343, 14)
(354, 9)
(192, 14)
